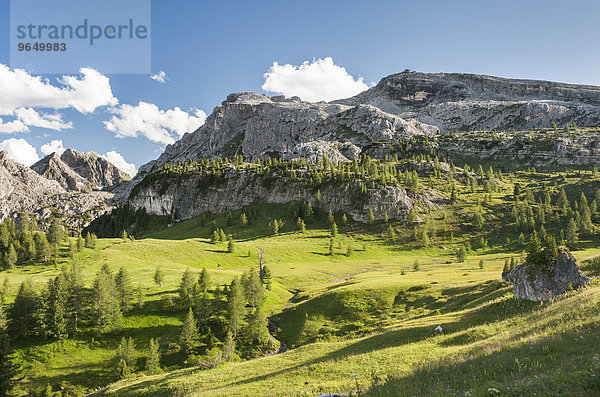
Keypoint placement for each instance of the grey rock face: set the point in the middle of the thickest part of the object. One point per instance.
(532, 283)
(53, 168)
(398, 107)
(189, 196)
(23, 189)
(257, 126)
(95, 169)
(459, 101)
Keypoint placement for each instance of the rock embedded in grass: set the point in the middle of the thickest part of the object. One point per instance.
(534, 283)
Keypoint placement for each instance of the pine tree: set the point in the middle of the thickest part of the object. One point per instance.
(571, 234)
(477, 221)
(230, 244)
(42, 247)
(189, 332)
(55, 231)
(481, 264)
(301, 226)
(461, 254)
(243, 219)
(275, 226)
(506, 268)
(57, 307)
(153, 359)
(266, 277)
(80, 243)
(8, 369)
(344, 219)
(229, 346)
(124, 235)
(371, 216)
(186, 288)
(330, 219)
(126, 352)
(159, 276)
(391, 233)
(257, 326)
(10, 257)
(75, 293)
(334, 230)
(331, 252)
(124, 290)
(106, 307)
(24, 309)
(235, 306)
(534, 249)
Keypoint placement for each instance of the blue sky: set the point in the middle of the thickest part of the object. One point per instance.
(210, 49)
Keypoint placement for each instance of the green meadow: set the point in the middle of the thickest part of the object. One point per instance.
(359, 320)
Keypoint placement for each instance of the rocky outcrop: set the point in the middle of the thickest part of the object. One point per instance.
(256, 126)
(186, 196)
(467, 102)
(97, 171)
(536, 284)
(23, 189)
(53, 168)
(399, 107)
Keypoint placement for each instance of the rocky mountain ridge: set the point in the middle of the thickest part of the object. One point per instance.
(400, 106)
(23, 189)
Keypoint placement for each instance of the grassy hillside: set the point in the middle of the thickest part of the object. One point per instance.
(360, 320)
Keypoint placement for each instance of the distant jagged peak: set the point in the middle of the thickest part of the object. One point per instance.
(94, 168)
(53, 168)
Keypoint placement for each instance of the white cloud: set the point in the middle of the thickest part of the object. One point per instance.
(12, 126)
(20, 150)
(55, 146)
(30, 117)
(319, 80)
(158, 125)
(161, 77)
(84, 93)
(118, 160)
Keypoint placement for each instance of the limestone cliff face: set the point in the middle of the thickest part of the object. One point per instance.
(400, 106)
(191, 195)
(257, 126)
(23, 189)
(459, 101)
(96, 170)
(53, 168)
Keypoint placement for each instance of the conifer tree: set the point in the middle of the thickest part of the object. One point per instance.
(230, 244)
(330, 220)
(571, 234)
(56, 315)
(243, 219)
(334, 230)
(189, 333)
(8, 369)
(80, 243)
(124, 289)
(391, 233)
(228, 347)
(371, 216)
(126, 353)
(153, 359)
(266, 277)
(106, 307)
(301, 226)
(235, 306)
(159, 276)
(24, 309)
(186, 288)
(42, 247)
